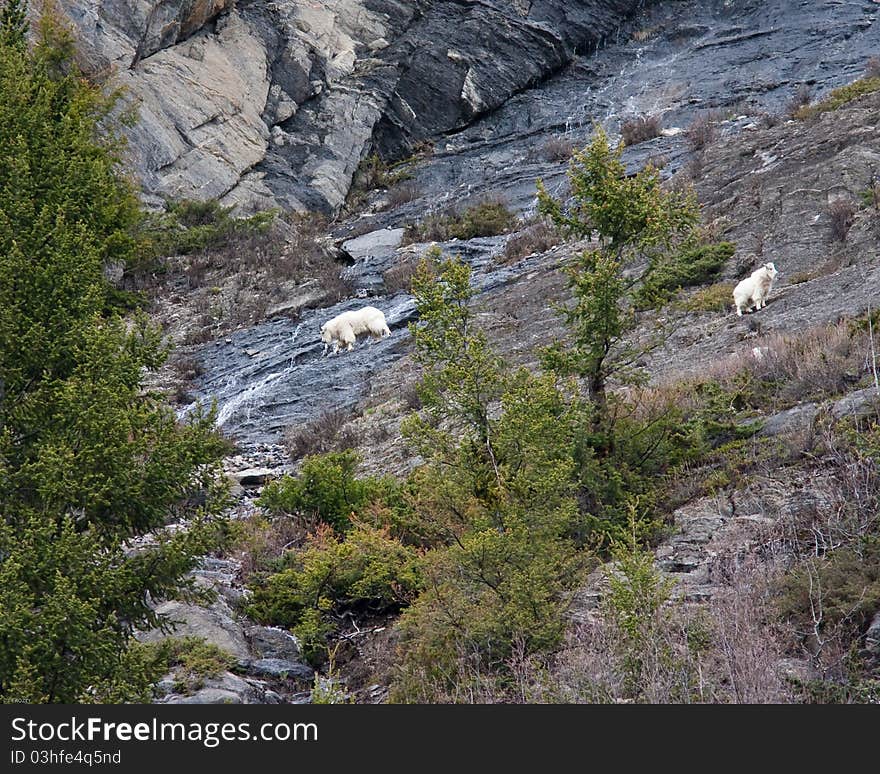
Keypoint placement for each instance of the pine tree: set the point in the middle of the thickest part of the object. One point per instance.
(13, 23)
(632, 219)
(90, 462)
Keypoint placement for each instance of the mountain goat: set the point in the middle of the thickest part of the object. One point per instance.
(344, 329)
(753, 290)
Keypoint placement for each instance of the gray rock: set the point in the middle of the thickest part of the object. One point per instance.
(215, 624)
(859, 404)
(272, 642)
(793, 420)
(308, 294)
(209, 696)
(373, 254)
(227, 688)
(278, 667)
(253, 476)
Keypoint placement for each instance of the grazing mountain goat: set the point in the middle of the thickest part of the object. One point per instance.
(753, 290)
(346, 327)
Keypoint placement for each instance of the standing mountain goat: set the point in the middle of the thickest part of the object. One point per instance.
(346, 327)
(753, 291)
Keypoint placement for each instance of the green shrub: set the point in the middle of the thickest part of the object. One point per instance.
(367, 571)
(486, 218)
(188, 226)
(844, 585)
(840, 97)
(192, 659)
(715, 298)
(328, 490)
(690, 266)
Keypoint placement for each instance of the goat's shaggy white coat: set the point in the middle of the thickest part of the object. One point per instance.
(753, 290)
(344, 329)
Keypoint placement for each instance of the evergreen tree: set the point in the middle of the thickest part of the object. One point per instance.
(498, 489)
(632, 219)
(13, 23)
(89, 461)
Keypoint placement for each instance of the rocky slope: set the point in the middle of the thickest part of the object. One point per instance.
(276, 104)
(696, 56)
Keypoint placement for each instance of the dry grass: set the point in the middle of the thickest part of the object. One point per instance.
(702, 130)
(802, 97)
(329, 432)
(725, 652)
(400, 276)
(640, 129)
(817, 364)
(537, 237)
(558, 148)
(262, 541)
(841, 213)
(644, 34)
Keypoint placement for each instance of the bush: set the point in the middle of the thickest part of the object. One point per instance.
(400, 276)
(366, 572)
(841, 212)
(558, 149)
(489, 217)
(691, 265)
(193, 659)
(327, 490)
(325, 434)
(802, 97)
(640, 129)
(812, 365)
(188, 226)
(535, 238)
(262, 540)
(842, 588)
(715, 298)
(871, 195)
(840, 97)
(702, 130)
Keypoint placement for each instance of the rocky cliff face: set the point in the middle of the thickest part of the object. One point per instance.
(275, 103)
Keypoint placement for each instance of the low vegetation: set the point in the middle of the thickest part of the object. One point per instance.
(329, 432)
(692, 265)
(640, 129)
(191, 660)
(839, 97)
(488, 217)
(703, 129)
(841, 213)
(714, 298)
(536, 237)
(558, 148)
(367, 572)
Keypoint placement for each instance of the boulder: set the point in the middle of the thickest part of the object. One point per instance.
(270, 642)
(215, 624)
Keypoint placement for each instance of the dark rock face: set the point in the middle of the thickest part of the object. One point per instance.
(461, 60)
(269, 104)
(277, 103)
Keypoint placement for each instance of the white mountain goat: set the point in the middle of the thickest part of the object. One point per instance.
(344, 329)
(753, 290)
